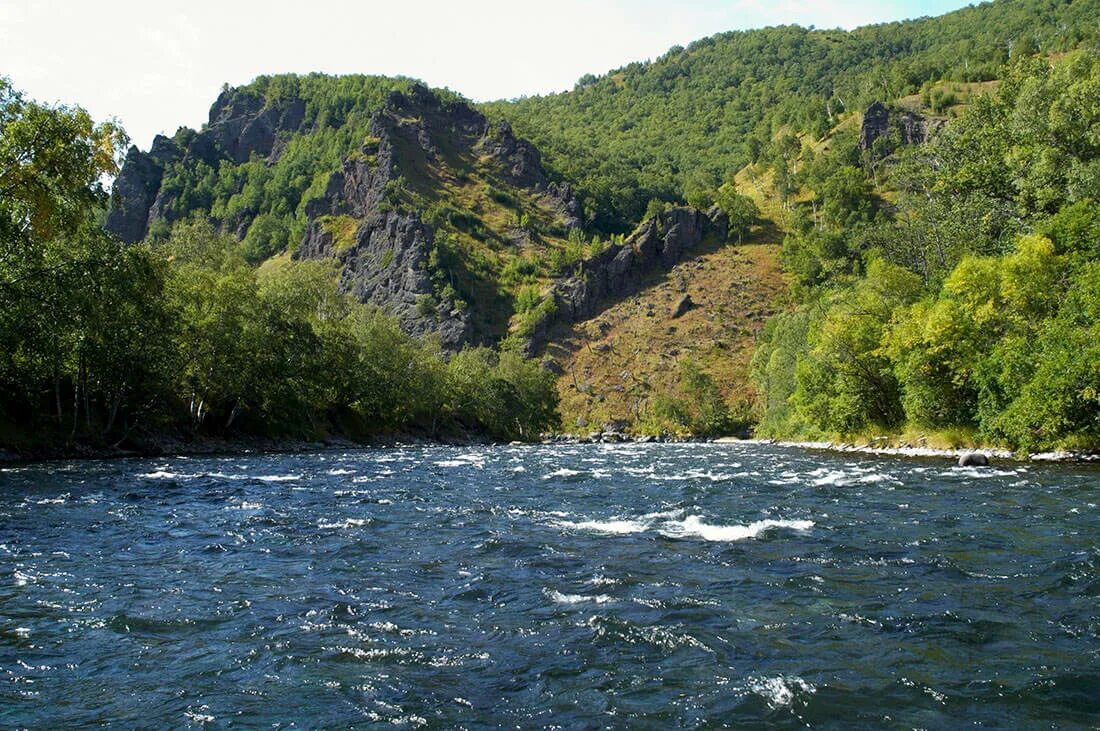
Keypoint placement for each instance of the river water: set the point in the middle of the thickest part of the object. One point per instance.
(632, 585)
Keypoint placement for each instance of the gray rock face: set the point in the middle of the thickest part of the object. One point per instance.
(133, 194)
(881, 121)
(522, 164)
(241, 123)
(619, 271)
(388, 266)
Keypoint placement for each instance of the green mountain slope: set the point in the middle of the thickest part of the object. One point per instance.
(949, 290)
(442, 219)
(466, 232)
(677, 127)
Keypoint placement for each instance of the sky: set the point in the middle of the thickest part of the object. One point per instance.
(156, 66)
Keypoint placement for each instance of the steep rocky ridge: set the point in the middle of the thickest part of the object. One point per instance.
(423, 212)
(241, 123)
(623, 269)
(424, 154)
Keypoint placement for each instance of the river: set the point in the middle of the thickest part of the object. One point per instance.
(636, 585)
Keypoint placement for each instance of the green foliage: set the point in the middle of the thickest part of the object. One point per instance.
(426, 305)
(700, 409)
(521, 270)
(501, 393)
(532, 307)
(844, 382)
(273, 195)
(267, 236)
(740, 210)
(658, 129)
(100, 342)
(977, 311)
(527, 298)
(342, 229)
(80, 315)
(783, 344)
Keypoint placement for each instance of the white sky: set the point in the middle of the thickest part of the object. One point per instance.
(158, 65)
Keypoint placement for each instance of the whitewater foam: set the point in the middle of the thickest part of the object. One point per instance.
(563, 472)
(780, 691)
(560, 598)
(165, 475)
(694, 527)
(344, 524)
(621, 527)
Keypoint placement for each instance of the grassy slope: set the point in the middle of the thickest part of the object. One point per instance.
(616, 362)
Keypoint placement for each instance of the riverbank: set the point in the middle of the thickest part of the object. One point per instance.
(883, 449)
(243, 445)
(916, 451)
(164, 446)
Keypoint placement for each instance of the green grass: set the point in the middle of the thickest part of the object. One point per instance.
(342, 229)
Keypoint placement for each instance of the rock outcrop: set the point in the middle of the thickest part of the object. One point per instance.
(621, 269)
(241, 124)
(388, 262)
(135, 190)
(387, 265)
(364, 220)
(881, 121)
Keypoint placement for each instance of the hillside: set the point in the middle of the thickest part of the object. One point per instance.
(568, 228)
(946, 290)
(644, 365)
(681, 125)
(433, 214)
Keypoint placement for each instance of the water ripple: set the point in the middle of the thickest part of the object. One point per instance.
(578, 586)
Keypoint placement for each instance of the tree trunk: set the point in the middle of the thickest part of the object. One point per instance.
(116, 401)
(76, 398)
(233, 414)
(57, 392)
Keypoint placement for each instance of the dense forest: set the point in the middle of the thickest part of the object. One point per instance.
(681, 125)
(104, 343)
(969, 306)
(295, 267)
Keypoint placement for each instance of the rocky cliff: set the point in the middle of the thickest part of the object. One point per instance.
(417, 141)
(430, 172)
(882, 121)
(622, 269)
(241, 124)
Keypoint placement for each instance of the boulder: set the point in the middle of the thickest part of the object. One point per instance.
(973, 459)
(682, 306)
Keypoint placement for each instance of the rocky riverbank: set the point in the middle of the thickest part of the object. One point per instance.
(882, 450)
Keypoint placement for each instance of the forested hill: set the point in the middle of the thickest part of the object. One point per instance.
(674, 128)
(426, 206)
(331, 253)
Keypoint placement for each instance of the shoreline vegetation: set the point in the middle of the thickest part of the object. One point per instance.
(883, 446)
(346, 258)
